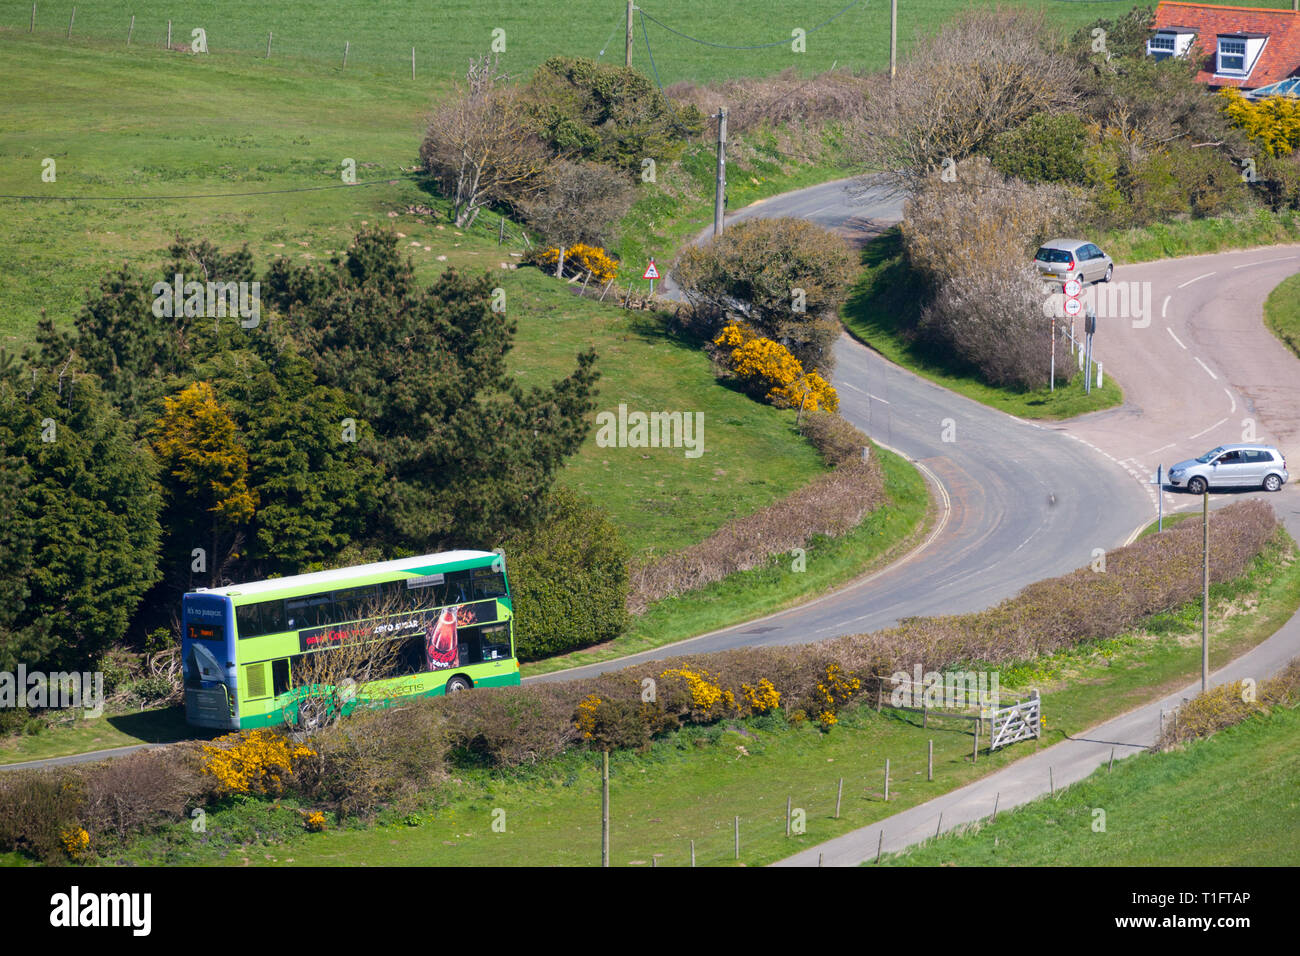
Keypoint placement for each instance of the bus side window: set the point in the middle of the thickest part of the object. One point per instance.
(248, 620)
(489, 584)
(273, 618)
(280, 676)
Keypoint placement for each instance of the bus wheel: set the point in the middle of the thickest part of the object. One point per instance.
(458, 683)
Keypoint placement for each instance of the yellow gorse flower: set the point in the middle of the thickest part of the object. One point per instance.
(253, 763)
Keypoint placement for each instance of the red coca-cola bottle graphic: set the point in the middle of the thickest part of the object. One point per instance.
(440, 640)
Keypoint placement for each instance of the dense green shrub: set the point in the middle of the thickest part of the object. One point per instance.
(568, 579)
(1047, 148)
(784, 278)
(608, 114)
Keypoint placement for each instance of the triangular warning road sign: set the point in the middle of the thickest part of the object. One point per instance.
(650, 271)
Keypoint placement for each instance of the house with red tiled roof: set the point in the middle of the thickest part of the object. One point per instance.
(1245, 47)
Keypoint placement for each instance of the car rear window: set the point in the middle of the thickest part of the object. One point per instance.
(1052, 255)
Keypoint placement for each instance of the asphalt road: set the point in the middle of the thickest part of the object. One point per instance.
(1017, 501)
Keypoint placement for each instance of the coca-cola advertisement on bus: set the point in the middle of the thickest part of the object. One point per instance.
(441, 645)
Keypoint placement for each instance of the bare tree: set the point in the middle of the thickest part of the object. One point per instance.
(479, 145)
(354, 656)
(984, 73)
(577, 202)
(954, 228)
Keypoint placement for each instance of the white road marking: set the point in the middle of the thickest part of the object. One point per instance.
(1206, 367)
(1164, 308)
(1264, 262)
(1197, 279)
(879, 399)
(1231, 399)
(1210, 429)
(852, 386)
(1161, 448)
(1176, 338)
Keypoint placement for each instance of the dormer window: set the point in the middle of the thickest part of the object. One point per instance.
(1232, 56)
(1174, 41)
(1238, 53)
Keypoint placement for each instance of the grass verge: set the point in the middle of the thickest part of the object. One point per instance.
(830, 562)
(884, 306)
(84, 734)
(1228, 800)
(1195, 237)
(1282, 312)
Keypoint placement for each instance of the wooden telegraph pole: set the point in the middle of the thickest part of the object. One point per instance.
(627, 56)
(1205, 591)
(604, 809)
(893, 38)
(720, 185)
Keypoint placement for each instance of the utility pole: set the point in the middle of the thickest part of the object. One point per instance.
(627, 57)
(1205, 591)
(604, 808)
(720, 187)
(893, 37)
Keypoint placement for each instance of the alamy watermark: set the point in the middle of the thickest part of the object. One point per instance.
(1110, 300)
(209, 300)
(651, 430)
(62, 690)
(953, 690)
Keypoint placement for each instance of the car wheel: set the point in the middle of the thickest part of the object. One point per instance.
(458, 683)
(1197, 485)
(1110, 270)
(1272, 483)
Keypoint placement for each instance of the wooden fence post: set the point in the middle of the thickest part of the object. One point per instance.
(269, 35)
(71, 21)
(130, 30)
(929, 762)
(838, 797)
(886, 779)
(346, 45)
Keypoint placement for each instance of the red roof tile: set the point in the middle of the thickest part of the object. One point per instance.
(1279, 59)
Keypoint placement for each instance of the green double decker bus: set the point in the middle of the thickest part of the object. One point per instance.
(242, 644)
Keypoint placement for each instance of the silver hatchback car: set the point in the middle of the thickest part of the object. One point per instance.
(1063, 259)
(1232, 466)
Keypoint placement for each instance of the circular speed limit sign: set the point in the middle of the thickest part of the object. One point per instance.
(1072, 307)
(1072, 288)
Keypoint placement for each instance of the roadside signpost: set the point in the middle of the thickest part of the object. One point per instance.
(1089, 327)
(651, 273)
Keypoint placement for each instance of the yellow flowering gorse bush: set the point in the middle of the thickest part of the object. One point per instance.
(767, 365)
(256, 763)
(581, 258)
(762, 698)
(837, 688)
(76, 842)
(1273, 122)
(586, 722)
(706, 692)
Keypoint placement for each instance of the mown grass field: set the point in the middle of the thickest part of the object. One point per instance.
(1228, 800)
(692, 784)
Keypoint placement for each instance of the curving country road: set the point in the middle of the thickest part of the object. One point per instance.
(1018, 501)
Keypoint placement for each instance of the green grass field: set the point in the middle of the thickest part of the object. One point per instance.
(691, 784)
(1282, 312)
(1229, 800)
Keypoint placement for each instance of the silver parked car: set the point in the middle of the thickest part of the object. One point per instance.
(1063, 259)
(1231, 466)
